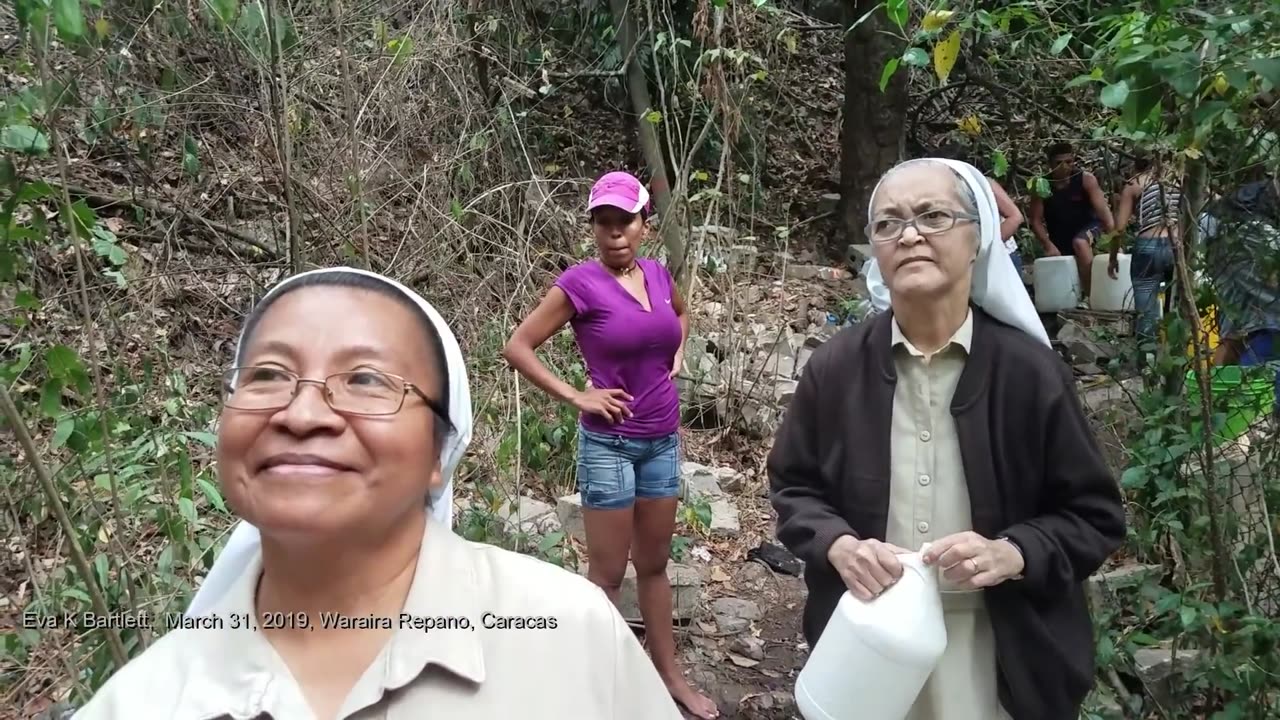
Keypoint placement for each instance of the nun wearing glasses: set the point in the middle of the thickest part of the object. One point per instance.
(947, 419)
(343, 592)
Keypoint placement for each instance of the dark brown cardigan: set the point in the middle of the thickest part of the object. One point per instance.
(1035, 474)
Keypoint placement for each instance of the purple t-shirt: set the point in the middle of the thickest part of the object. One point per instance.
(626, 347)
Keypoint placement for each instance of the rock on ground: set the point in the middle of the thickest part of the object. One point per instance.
(686, 592)
(701, 482)
(1125, 577)
(745, 372)
(736, 607)
(569, 511)
(529, 516)
(1159, 669)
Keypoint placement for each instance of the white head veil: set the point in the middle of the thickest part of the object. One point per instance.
(245, 539)
(997, 287)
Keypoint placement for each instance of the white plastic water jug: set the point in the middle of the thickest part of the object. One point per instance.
(1057, 283)
(1107, 294)
(874, 657)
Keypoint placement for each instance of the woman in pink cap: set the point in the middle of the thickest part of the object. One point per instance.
(630, 324)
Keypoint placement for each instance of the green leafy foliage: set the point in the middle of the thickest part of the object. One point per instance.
(69, 19)
(916, 57)
(190, 157)
(899, 12)
(1115, 94)
(223, 12)
(24, 139)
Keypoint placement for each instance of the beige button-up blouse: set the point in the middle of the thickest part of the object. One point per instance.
(513, 637)
(929, 500)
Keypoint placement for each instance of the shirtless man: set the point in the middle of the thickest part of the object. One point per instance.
(1073, 217)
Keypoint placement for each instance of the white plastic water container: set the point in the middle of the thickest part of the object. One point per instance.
(874, 657)
(1056, 282)
(1107, 294)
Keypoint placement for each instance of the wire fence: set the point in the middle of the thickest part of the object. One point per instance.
(1219, 459)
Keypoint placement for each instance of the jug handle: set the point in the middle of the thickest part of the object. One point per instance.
(919, 568)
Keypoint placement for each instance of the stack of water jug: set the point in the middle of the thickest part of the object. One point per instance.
(1056, 283)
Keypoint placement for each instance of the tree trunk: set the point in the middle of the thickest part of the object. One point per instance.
(671, 220)
(872, 132)
(279, 93)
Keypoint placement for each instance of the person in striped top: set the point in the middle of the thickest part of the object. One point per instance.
(1152, 204)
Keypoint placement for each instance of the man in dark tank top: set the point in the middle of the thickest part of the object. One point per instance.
(1075, 214)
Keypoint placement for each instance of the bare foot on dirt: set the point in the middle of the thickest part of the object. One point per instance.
(691, 700)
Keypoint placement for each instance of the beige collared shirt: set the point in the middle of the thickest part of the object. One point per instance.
(928, 497)
(575, 658)
(929, 500)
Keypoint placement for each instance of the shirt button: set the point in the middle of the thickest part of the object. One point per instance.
(925, 480)
(925, 435)
(923, 527)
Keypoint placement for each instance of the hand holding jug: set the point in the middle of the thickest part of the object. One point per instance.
(974, 562)
(868, 567)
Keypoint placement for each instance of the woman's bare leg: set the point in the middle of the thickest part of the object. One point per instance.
(608, 544)
(655, 521)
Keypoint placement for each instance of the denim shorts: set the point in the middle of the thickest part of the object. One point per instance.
(614, 470)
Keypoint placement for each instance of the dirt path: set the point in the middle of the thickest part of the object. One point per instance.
(742, 644)
(726, 666)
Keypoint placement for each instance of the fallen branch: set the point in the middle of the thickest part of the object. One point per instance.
(101, 199)
(521, 90)
(813, 27)
(585, 74)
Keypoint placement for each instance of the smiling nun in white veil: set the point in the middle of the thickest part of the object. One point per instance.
(946, 419)
(343, 592)
(245, 538)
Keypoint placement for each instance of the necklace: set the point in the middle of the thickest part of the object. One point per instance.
(624, 272)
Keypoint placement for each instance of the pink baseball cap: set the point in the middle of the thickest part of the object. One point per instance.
(621, 190)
